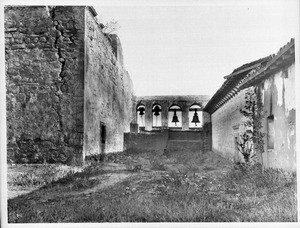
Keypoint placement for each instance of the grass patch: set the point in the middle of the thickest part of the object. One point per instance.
(47, 176)
(244, 194)
(43, 175)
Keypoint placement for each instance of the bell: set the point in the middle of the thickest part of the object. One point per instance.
(156, 110)
(175, 118)
(195, 118)
(141, 110)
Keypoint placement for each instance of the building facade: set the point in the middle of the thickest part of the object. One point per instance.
(273, 80)
(275, 84)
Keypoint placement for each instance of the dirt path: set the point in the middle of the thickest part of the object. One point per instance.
(141, 173)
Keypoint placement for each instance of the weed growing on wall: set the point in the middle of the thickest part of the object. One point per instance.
(251, 143)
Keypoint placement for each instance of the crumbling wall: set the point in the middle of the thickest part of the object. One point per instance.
(44, 62)
(108, 92)
(278, 96)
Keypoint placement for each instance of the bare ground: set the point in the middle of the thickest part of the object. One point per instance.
(139, 171)
(150, 187)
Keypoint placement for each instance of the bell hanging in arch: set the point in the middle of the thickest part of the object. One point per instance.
(141, 111)
(195, 118)
(175, 118)
(156, 110)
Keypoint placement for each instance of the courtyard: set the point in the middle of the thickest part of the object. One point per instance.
(149, 187)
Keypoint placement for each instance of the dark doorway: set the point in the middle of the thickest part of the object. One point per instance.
(102, 138)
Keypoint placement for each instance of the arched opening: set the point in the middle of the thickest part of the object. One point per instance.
(156, 113)
(140, 115)
(195, 116)
(175, 117)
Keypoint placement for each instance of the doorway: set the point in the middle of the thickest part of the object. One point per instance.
(102, 138)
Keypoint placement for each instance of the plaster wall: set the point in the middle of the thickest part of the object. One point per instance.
(108, 91)
(278, 96)
(226, 124)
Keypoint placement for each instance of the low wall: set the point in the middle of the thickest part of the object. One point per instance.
(157, 141)
(146, 141)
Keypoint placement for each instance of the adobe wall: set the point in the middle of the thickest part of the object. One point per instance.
(278, 96)
(185, 102)
(202, 136)
(108, 91)
(156, 142)
(226, 123)
(153, 142)
(44, 63)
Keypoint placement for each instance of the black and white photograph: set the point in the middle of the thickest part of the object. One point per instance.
(137, 113)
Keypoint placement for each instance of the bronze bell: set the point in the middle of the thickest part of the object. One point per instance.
(175, 118)
(156, 110)
(141, 111)
(195, 118)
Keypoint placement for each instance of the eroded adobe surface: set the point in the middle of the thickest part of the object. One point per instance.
(44, 81)
(63, 78)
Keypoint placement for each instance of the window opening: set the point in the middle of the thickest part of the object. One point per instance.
(271, 132)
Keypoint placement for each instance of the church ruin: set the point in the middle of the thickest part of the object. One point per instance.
(70, 98)
(68, 94)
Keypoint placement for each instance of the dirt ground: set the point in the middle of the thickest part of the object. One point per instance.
(151, 187)
(141, 173)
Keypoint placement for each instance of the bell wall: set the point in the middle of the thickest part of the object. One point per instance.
(184, 102)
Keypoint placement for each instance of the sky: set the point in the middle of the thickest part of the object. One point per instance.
(187, 47)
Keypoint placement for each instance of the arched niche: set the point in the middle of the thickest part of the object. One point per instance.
(195, 116)
(156, 114)
(175, 116)
(140, 115)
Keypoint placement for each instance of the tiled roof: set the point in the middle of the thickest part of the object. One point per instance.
(284, 57)
(249, 74)
(229, 87)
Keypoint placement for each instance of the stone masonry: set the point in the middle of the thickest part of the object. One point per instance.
(51, 74)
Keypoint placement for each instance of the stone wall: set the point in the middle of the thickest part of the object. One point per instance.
(44, 59)
(185, 102)
(108, 92)
(226, 125)
(65, 81)
(278, 96)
